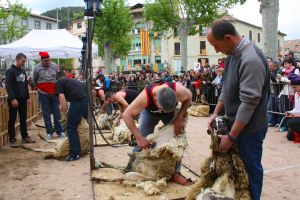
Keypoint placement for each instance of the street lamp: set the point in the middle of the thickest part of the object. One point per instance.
(92, 10)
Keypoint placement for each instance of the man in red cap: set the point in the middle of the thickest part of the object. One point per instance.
(44, 77)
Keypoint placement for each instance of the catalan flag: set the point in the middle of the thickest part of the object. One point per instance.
(145, 43)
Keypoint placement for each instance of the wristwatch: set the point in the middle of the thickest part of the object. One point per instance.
(232, 139)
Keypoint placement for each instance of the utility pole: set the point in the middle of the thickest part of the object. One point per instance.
(92, 10)
(68, 17)
(89, 86)
(57, 18)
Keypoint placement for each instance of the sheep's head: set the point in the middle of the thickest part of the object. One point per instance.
(220, 125)
(220, 128)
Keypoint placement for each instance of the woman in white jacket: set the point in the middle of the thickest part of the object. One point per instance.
(293, 121)
(287, 93)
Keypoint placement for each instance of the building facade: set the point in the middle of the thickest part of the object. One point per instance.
(39, 22)
(293, 45)
(165, 47)
(34, 21)
(146, 45)
(78, 28)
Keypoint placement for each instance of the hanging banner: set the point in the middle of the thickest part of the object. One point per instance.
(145, 43)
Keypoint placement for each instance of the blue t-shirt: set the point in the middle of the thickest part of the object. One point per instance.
(107, 83)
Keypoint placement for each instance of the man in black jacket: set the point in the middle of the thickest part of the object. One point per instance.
(18, 96)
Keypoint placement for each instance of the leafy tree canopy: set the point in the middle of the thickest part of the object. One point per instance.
(168, 14)
(112, 28)
(66, 64)
(10, 16)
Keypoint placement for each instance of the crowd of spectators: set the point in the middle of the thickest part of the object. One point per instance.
(206, 81)
(282, 94)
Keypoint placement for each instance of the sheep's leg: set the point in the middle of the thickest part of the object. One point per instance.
(97, 179)
(106, 165)
(130, 176)
(38, 150)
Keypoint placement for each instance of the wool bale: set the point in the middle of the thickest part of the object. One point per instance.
(121, 133)
(199, 110)
(152, 187)
(105, 121)
(160, 161)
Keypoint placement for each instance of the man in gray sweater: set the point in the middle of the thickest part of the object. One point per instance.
(244, 98)
(44, 78)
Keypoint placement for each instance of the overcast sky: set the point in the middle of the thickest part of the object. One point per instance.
(288, 20)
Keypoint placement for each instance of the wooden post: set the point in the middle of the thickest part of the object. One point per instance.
(33, 113)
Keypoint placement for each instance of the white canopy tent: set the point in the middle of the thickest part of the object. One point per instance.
(58, 43)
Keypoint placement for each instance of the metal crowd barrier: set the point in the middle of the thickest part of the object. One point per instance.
(280, 100)
(277, 106)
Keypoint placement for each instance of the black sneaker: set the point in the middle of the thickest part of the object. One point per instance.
(13, 144)
(72, 157)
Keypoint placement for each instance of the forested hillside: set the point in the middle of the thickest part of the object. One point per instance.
(65, 14)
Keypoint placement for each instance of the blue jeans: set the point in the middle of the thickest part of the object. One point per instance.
(272, 106)
(250, 149)
(50, 105)
(148, 121)
(77, 110)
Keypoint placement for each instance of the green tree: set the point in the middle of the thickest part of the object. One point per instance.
(10, 16)
(186, 16)
(111, 32)
(66, 64)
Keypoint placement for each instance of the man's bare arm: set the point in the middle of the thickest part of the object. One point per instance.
(131, 112)
(185, 97)
(63, 102)
(121, 102)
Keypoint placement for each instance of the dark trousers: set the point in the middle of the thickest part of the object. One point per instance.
(77, 110)
(272, 106)
(293, 125)
(22, 110)
(250, 149)
(50, 105)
